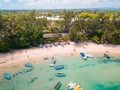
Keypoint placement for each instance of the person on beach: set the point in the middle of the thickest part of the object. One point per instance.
(27, 54)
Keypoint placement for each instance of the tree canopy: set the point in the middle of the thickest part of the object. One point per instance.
(22, 29)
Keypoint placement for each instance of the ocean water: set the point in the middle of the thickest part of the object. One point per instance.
(96, 73)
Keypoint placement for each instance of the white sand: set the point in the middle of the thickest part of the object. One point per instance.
(26, 55)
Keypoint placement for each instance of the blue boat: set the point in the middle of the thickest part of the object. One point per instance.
(59, 74)
(107, 56)
(28, 65)
(59, 67)
(57, 86)
(7, 75)
(82, 54)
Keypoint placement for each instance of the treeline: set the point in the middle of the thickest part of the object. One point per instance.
(100, 27)
(22, 29)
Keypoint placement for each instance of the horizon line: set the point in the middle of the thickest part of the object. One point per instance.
(101, 8)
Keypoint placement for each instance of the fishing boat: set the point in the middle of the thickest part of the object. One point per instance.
(7, 75)
(73, 86)
(106, 56)
(28, 65)
(59, 67)
(82, 54)
(59, 74)
(57, 86)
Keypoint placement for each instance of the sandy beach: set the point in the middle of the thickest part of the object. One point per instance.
(30, 55)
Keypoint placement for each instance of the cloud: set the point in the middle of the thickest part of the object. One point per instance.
(6, 0)
(69, 3)
(20, 0)
(59, 4)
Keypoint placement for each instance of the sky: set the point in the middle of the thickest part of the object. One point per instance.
(58, 4)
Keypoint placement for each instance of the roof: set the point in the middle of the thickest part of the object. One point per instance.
(53, 35)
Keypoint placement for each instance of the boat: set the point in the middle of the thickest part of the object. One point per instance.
(7, 75)
(54, 61)
(59, 74)
(59, 67)
(82, 54)
(57, 86)
(51, 65)
(28, 65)
(106, 56)
(73, 86)
(89, 55)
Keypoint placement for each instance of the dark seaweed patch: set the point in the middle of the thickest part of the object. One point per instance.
(33, 79)
(51, 79)
(23, 72)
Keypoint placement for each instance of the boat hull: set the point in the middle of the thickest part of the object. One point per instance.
(59, 67)
(7, 76)
(28, 65)
(57, 86)
(60, 74)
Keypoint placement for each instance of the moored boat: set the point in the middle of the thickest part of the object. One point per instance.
(89, 55)
(28, 65)
(57, 86)
(73, 86)
(51, 65)
(82, 54)
(7, 75)
(59, 67)
(54, 61)
(59, 74)
(106, 56)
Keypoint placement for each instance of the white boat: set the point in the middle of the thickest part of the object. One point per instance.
(85, 56)
(51, 65)
(54, 61)
(73, 86)
(89, 55)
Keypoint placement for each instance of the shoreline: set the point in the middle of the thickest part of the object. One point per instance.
(25, 55)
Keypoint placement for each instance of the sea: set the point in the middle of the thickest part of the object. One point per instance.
(97, 73)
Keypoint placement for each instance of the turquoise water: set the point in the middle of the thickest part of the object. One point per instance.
(96, 73)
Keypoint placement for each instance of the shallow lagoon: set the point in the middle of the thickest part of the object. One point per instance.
(96, 73)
